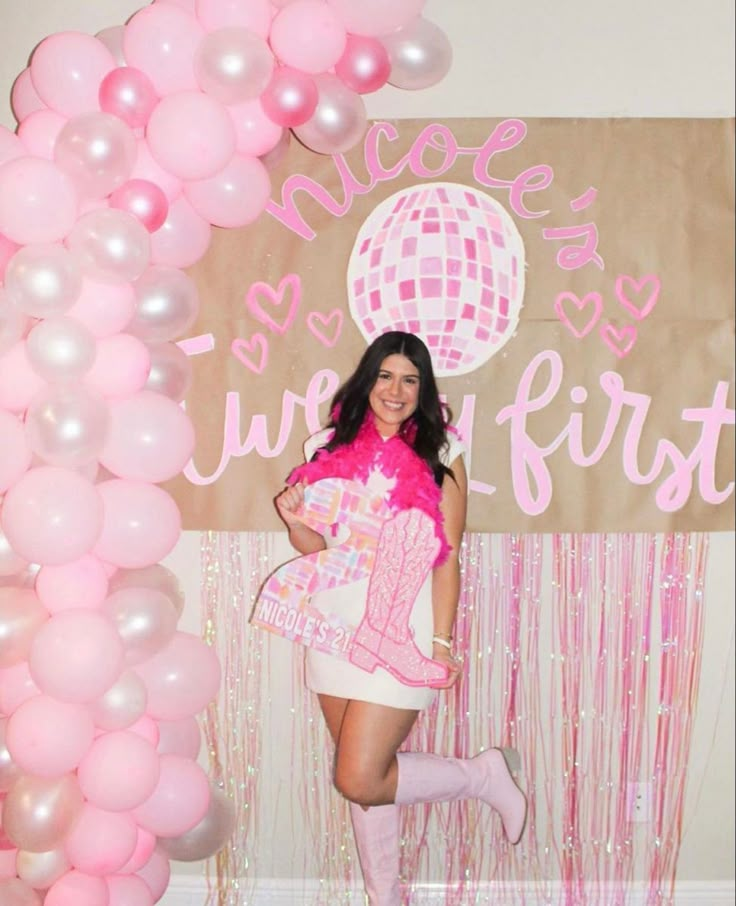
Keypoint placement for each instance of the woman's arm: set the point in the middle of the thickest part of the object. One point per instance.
(446, 577)
(302, 538)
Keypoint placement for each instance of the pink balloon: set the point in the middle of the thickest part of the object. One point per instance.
(141, 523)
(161, 40)
(129, 890)
(80, 583)
(119, 772)
(14, 892)
(19, 383)
(10, 145)
(365, 65)
(254, 15)
(78, 889)
(255, 132)
(156, 873)
(379, 17)
(7, 251)
(181, 679)
(15, 454)
(233, 197)
(147, 728)
(144, 200)
(16, 686)
(121, 366)
(271, 159)
(76, 656)
(180, 737)
(101, 842)
(144, 848)
(290, 97)
(47, 737)
(129, 94)
(21, 616)
(308, 35)
(67, 69)
(147, 169)
(183, 239)
(191, 135)
(24, 98)
(104, 308)
(179, 801)
(39, 132)
(97, 151)
(52, 515)
(38, 202)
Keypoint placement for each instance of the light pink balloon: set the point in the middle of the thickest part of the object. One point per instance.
(110, 246)
(156, 873)
(365, 65)
(52, 515)
(308, 35)
(19, 383)
(67, 69)
(100, 842)
(255, 132)
(147, 728)
(11, 564)
(379, 17)
(161, 40)
(148, 169)
(129, 890)
(13, 322)
(97, 151)
(119, 772)
(104, 308)
(78, 889)
(16, 686)
(191, 135)
(38, 202)
(80, 583)
(21, 616)
(112, 38)
(235, 196)
(121, 366)
(10, 145)
(179, 801)
(76, 656)
(233, 65)
(144, 200)
(7, 252)
(15, 454)
(181, 679)
(290, 98)
(123, 705)
(129, 94)
(47, 737)
(254, 15)
(24, 98)
(271, 159)
(180, 737)
(9, 772)
(141, 854)
(339, 121)
(208, 836)
(39, 132)
(141, 523)
(183, 239)
(14, 892)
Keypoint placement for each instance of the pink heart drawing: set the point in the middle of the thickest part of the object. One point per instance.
(262, 294)
(244, 349)
(317, 323)
(638, 296)
(589, 299)
(619, 340)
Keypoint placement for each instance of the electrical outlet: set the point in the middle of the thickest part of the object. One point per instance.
(639, 802)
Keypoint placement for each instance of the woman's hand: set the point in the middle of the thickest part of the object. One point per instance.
(288, 502)
(454, 666)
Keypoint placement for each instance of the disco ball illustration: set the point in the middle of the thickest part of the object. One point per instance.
(445, 262)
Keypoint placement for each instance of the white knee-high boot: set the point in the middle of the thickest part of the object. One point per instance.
(377, 840)
(432, 778)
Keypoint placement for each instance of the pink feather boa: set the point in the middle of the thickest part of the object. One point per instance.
(393, 457)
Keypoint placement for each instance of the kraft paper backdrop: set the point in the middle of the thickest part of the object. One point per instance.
(664, 207)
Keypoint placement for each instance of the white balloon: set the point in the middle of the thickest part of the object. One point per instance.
(60, 348)
(420, 54)
(67, 424)
(339, 121)
(42, 280)
(110, 245)
(167, 305)
(171, 371)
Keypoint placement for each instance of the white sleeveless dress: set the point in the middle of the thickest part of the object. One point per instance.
(334, 676)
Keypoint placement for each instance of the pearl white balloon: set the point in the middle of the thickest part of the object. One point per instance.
(339, 121)
(171, 371)
(167, 305)
(233, 65)
(67, 424)
(42, 280)
(110, 246)
(10, 562)
(123, 703)
(13, 323)
(97, 151)
(60, 348)
(420, 54)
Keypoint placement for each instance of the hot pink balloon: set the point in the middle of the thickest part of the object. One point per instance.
(128, 890)
(183, 239)
(141, 523)
(104, 308)
(365, 64)
(15, 454)
(144, 200)
(19, 383)
(78, 889)
(129, 94)
(52, 515)
(235, 196)
(24, 98)
(254, 15)
(191, 135)
(290, 98)
(80, 583)
(39, 132)
(181, 679)
(144, 848)
(161, 40)
(119, 772)
(16, 685)
(156, 873)
(255, 132)
(308, 35)
(67, 69)
(38, 202)
(121, 366)
(179, 801)
(379, 17)
(47, 737)
(148, 169)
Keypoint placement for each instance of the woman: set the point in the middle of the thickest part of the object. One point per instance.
(387, 420)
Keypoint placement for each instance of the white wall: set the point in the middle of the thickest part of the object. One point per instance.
(572, 58)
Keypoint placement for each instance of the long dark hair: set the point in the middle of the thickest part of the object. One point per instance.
(425, 430)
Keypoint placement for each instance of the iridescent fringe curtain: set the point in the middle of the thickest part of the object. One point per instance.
(582, 651)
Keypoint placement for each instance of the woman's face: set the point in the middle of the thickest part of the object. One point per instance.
(395, 394)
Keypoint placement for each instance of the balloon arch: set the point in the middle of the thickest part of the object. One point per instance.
(130, 146)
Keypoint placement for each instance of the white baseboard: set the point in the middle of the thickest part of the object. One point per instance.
(192, 891)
